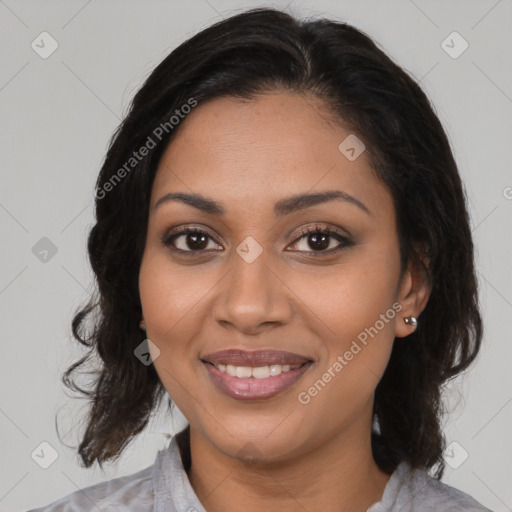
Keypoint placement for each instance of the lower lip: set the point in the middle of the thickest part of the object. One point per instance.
(252, 388)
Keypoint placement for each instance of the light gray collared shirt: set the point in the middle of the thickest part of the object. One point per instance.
(165, 487)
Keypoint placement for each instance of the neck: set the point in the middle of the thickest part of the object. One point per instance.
(339, 474)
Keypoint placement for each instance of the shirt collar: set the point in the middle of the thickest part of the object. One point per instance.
(173, 492)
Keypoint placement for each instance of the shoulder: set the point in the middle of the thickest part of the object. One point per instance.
(131, 492)
(418, 491)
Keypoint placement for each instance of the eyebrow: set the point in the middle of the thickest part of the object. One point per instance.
(281, 208)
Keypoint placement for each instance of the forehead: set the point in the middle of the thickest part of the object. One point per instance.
(276, 145)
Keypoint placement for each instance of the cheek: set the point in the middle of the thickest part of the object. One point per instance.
(354, 314)
(166, 299)
(352, 296)
(170, 295)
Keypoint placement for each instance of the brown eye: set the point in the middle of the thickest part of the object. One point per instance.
(322, 241)
(319, 241)
(188, 240)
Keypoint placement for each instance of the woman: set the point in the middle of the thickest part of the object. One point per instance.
(282, 245)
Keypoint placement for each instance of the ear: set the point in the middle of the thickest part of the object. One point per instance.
(413, 295)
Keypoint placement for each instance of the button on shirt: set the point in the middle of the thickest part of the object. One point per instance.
(165, 487)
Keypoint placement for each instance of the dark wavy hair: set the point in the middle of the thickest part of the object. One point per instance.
(268, 50)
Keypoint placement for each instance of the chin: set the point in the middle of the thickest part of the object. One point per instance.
(260, 444)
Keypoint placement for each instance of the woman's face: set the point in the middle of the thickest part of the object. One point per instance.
(253, 282)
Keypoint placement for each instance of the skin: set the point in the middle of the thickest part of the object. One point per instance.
(275, 454)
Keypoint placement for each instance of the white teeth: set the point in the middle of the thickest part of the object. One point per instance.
(261, 372)
(258, 372)
(275, 369)
(243, 372)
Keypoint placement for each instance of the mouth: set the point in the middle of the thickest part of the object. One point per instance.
(255, 375)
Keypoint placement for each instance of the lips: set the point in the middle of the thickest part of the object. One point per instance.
(255, 375)
(253, 359)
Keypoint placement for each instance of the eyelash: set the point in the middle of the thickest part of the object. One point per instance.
(345, 242)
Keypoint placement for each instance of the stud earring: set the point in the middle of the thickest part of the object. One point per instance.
(412, 321)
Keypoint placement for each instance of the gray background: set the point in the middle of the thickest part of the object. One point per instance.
(57, 117)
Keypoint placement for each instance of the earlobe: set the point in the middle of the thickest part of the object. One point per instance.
(413, 296)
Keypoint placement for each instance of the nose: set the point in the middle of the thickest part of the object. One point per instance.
(252, 296)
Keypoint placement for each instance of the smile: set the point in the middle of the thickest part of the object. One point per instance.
(258, 372)
(257, 382)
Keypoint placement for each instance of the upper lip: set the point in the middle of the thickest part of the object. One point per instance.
(237, 357)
